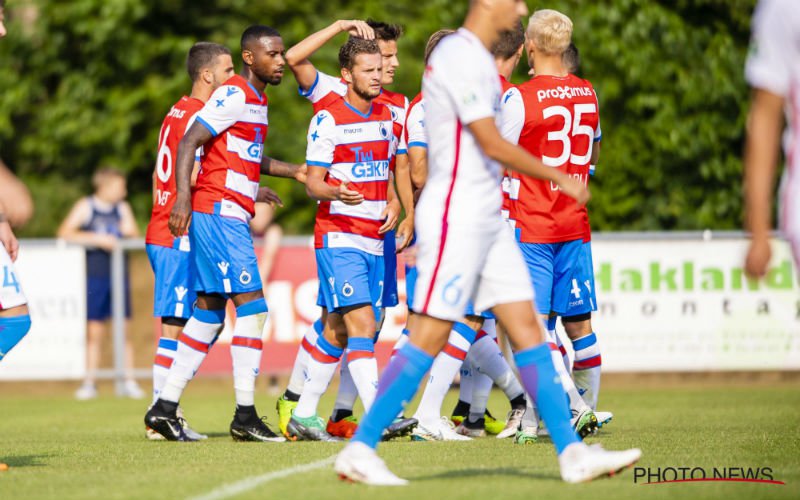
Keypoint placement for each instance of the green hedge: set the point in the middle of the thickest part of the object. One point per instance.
(87, 82)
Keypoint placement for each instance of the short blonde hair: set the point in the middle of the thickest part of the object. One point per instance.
(550, 31)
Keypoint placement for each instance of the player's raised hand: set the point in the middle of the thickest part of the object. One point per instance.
(357, 28)
(348, 196)
(405, 232)
(180, 216)
(391, 213)
(575, 189)
(266, 195)
(8, 240)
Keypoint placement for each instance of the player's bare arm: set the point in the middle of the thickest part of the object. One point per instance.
(318, 189)
(278, 168)
(392, 211)
(70, 229)
(405, 190)
(760, 164)
(492, 143)
(7, 238)
(128, 225)
(182, 210)
(418, 161)
(297, 57)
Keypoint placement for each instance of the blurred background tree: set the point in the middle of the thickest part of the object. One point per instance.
(87, 82)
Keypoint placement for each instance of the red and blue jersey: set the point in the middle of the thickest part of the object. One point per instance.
(356, 149)
(555, 119)
(175, 124)
(326, 89)
(236, 115)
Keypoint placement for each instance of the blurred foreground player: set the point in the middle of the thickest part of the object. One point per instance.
(466, 252)
(773, 71)
(208, 65)
(15, 322)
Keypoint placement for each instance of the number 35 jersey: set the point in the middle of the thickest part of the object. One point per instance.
(175, 125)
(555, 119)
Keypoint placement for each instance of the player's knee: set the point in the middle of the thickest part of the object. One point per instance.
(578, 325)
(173, 321)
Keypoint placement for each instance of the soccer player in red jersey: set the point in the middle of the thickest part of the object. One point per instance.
(208, 65)
(552, 230)
(232, 129)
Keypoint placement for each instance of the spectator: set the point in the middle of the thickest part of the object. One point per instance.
(98, 222)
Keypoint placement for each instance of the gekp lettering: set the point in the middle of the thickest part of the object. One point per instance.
(365, 167)
(255, 149)
(583, 178)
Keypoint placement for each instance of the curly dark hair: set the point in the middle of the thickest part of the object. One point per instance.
(354, 47)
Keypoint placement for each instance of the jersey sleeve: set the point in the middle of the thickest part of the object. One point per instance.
(323, 85)
(513, 115)
(321, 140)
(769, 62)
(223, 109)
(402, 148)
(415, 127)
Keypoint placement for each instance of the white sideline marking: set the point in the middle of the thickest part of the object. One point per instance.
(248, 483)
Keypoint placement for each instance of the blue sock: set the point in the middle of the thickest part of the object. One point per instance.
(12, 330)
(541, 381)
(396, 388)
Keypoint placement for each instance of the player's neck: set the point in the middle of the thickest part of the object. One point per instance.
(549, 66)
(478, 25)
(357, 102)
(506, 68)
(201, 92)
(253, 79)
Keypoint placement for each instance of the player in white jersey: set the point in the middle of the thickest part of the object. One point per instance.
(466, 252)
(773, 70)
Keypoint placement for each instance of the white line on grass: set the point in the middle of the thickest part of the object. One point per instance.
(248, 483)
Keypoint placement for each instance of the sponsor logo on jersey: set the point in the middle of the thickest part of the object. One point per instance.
(223, 267)
(564, 93)
(180, 292)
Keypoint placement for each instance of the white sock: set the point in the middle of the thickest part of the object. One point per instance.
(444, 370)
(481, 389)
(348, 392)
(363, 368)
(165, 354)
(531, 417)
(587, 366)
(193, 344)
(300, 367)
(401, 341)
(486, 357)
(552, 322)
(246, 347)
(321, 369)
(576, 402)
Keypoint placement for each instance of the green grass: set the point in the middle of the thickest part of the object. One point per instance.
(62, 449)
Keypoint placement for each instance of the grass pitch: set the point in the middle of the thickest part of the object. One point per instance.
(59, 448)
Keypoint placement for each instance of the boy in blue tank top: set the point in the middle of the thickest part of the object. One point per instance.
(98, 222)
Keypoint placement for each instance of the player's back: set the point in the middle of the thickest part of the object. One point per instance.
(173, 128)
(561, 123)
(461, 178)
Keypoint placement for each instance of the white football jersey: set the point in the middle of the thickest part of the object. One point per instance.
(774, 65)
(463, 183)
